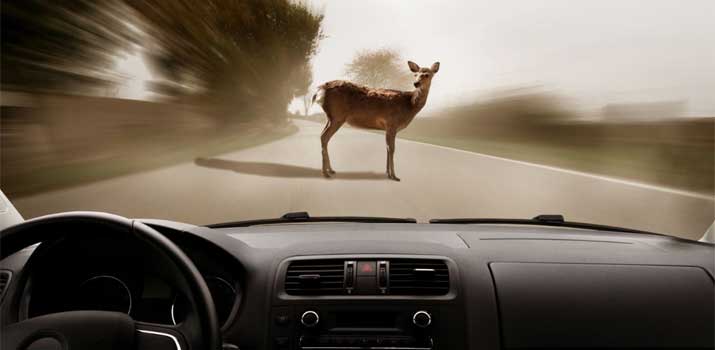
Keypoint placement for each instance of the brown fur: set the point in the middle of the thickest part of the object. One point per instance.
(370, 108)
(364, 107)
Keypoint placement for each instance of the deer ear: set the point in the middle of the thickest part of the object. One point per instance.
(435, 67)
(413, 66)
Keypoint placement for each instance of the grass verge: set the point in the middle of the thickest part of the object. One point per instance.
(690, 169)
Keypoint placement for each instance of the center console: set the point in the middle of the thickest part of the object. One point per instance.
(361, 302)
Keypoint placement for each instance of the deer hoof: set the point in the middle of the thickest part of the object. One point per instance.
(331, 171)
(326, 174)
(393, 177)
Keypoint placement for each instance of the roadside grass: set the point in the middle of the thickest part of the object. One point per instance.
(687, 167)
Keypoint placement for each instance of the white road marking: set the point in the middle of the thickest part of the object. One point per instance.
(580, 173)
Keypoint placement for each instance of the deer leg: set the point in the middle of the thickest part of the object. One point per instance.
(328, 132)
(324, 148)
(324, 138)
(390, 140)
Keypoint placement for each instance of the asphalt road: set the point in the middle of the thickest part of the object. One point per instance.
(283, 176)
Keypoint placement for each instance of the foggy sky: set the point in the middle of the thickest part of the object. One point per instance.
(594, 52)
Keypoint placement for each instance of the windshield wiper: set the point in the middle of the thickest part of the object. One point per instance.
(540, 220)
(305, 217)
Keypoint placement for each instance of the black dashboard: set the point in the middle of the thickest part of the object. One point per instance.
(397, 286)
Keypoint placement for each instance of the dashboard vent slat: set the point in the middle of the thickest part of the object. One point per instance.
(418, 277)
(315, 277)
(4, 282)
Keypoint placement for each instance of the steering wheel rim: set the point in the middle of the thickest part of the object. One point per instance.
(15, 238)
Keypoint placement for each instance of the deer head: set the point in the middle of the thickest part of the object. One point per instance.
(423, 76)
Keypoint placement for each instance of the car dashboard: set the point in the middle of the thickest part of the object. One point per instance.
(110, 274)
(396, 286)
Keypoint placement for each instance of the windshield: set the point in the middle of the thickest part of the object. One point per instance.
(214, 111)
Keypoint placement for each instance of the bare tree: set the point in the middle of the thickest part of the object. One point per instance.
(381, 68)
(307, 102)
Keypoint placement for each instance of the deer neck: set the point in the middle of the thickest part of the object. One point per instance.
(419, 97)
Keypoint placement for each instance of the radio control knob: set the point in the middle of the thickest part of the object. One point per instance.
(422, 319)
(309, 318)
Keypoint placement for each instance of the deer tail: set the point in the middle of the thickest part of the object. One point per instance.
(319, 96)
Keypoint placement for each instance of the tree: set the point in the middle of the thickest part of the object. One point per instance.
(382, 68)
(62, 45)
(250, 56)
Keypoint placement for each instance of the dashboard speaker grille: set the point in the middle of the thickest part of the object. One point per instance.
(315, 277)
(418, 277)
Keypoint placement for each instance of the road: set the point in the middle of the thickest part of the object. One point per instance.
(283, 176)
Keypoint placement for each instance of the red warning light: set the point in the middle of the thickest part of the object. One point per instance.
(366, 268)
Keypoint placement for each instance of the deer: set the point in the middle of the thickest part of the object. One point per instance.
(372, 108)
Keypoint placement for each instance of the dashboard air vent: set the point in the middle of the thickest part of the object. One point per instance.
(4, 282)
(418, 277)
(315, 277)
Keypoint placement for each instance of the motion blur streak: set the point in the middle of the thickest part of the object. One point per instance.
(219, 73)
(99, 91)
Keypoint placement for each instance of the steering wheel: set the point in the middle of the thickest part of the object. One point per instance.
(111, 330)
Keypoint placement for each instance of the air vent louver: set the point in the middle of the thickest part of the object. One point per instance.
(315, 277)
(418, 277)
(4, 282)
